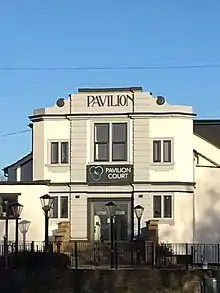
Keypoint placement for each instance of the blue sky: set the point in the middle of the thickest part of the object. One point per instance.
(102, 33)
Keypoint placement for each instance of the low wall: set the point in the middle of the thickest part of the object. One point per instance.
(99, 281)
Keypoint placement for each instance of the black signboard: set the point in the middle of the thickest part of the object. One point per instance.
(110, 174)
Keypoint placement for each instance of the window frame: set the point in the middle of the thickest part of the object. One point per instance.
(11, 198)
(162, 157)
(59, 207)
(96, 143)
(51, 211)
(59, 141)
(162, 197)
(110, 143)
(60, 210)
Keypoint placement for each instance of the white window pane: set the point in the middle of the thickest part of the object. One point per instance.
(64, 152)
(54, 153)
(167, 150)
(119, 152)
(101, 152)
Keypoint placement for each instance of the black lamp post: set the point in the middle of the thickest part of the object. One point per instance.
(139, 213)
(6, 204)
(139, 210)
(24, 227)
(46, 202)
(17, 210)
(111, 209)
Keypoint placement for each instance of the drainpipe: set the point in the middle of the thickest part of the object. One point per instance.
(194, 194)
(132, 185)
(70, 161)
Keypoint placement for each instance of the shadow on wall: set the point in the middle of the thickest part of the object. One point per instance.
(207, 227)
(207, 201)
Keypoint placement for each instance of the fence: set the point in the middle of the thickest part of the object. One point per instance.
(86, 255)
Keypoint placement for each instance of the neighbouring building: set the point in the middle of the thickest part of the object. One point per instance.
(121, 145)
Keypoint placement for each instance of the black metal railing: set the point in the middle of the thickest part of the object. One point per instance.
(129, 254)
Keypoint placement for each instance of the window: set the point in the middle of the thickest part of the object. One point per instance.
(119, 142)
(64, 152)
(162, 151)
(110, 142)
(64, 207)
(162, 206)
(101, 142)
(54, 210)
(54, 153)
(60, 207)
(59, 152)
(10, 199)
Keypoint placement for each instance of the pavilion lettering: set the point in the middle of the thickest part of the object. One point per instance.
(118, 173)
(110, 100)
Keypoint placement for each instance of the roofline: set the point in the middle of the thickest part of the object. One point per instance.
(36, 182)
(206, 140)
(114, 89)
(18, 161)
(207, 121)
(40, 117)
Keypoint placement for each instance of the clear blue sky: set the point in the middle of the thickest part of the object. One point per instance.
(81, 33)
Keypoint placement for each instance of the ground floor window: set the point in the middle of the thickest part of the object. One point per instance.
(162, 206)
(99, 221)
(60, 207)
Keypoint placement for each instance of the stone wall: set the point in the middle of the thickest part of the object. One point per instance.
(128, 281)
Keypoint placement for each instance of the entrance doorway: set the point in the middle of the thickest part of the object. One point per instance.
(99, 221)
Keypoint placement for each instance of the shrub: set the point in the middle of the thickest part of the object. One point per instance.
(37, 260)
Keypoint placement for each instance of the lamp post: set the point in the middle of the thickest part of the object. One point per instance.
(139, 213)
(6, 233)
(111, 209)
(17, 210)
(46, 202)
(24, 227)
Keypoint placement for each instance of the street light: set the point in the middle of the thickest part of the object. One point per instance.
(46, 202)
(17, 210)
(5, 203)
(139, 210)
(111, 209)
(24, 227)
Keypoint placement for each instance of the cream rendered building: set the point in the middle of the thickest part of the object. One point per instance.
(119, 144)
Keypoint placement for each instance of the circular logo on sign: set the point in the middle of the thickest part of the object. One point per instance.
(96, 172)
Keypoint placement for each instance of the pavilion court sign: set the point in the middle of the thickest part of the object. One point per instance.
(110, 174)
(119, 100)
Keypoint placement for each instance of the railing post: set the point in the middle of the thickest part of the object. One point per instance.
(192, 256)
(58, 246)
(152, 254)
(165, 256)
(76, 255)
(32, 246)
(187, 257)
(116, 255)
(218, 256)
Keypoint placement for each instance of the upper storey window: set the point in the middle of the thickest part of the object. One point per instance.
(59, 152)
(110, 142)
(162, 151)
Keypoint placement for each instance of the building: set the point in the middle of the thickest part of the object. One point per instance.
(119, 144)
